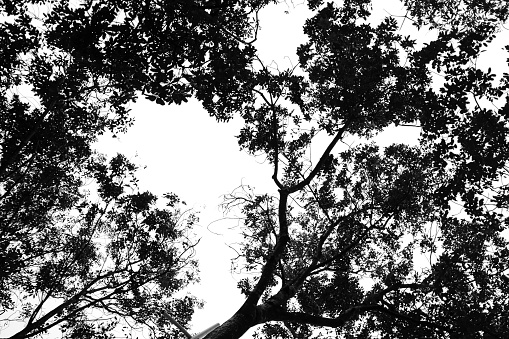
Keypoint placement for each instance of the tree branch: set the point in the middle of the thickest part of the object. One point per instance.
(275, 256)
(304, 318)
(176, 323)
(323, 159)
(348, 248)
(349, 314)
(38, 326)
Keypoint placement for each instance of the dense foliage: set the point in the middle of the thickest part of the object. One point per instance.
(82, 249)
(370, 242)
(361, 242)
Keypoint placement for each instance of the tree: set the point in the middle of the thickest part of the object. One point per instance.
(336, 251)
(112, 258)
(91, 262)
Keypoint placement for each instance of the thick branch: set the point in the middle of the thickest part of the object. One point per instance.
(304, 318)
(275, 256)
(349, 314)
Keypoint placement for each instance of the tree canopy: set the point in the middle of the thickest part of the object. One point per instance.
(83, 249)
(339, 251)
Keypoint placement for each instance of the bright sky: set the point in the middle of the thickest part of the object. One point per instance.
(189, 153)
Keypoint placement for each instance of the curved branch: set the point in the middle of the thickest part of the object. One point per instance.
(350, 314)
(314, 320)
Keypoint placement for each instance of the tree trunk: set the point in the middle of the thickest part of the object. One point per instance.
(234, 327)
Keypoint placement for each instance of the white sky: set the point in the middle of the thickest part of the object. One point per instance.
(189, 153)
